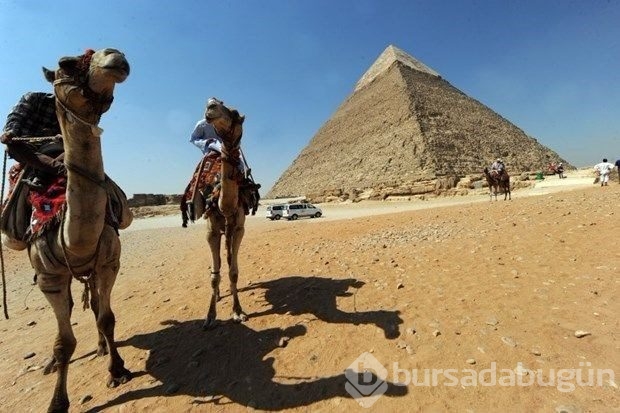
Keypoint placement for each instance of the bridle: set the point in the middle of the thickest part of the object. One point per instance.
(72, 117)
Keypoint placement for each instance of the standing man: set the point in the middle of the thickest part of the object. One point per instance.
(604, 169)
(618, 169)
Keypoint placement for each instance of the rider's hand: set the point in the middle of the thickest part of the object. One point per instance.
(6, 137)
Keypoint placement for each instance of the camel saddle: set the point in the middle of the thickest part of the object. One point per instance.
(202, 192)
(28, 213)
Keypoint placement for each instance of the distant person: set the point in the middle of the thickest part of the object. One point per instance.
(618, 168)
(560, 170)
(34, 116)
(603, 169)
(498, 166)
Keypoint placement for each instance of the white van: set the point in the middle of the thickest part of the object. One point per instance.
(298, 210)
(274, 211)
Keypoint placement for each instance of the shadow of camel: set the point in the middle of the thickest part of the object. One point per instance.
(229, 365)
(297, 295)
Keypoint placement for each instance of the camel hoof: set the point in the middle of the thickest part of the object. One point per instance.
(123, 378)
(210, 324)
(240, 317)
(50, 367)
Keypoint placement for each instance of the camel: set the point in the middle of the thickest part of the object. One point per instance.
(498, 182)
(83, 246)
(229, 218)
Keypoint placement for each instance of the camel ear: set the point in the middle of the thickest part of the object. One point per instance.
(50, 75)
(239, 116)
(69, 65)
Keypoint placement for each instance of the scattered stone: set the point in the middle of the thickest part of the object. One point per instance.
(283, 341)
(567, 409)
(409, 350)
(410, 331)
(29, 355)
(86, 399)
(401, 344)
(581, 333)
(509, 341)
(470, 361)
(492, 321)
(399, 286)
(31, 323)
(536, 351)
(436, 333)
(521, 371)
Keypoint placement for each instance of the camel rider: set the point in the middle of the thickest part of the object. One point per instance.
(207, 140)
(35, 116)
(498, 166)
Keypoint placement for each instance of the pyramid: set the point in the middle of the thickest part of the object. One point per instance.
(406, 131)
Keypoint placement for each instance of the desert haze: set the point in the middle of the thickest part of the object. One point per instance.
(528, 286)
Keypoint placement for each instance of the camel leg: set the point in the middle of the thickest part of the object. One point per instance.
(214, 239)
(58, 293)
(106, 323)
(234, 236)
(102, 348)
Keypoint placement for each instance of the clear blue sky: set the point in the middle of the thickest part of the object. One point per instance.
(550, 67)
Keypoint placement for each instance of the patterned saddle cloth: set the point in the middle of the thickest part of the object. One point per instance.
(201, 194)
(28, 213)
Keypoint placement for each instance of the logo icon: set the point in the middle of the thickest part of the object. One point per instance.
(366, 379)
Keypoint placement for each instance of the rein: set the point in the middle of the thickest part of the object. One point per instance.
(86, 277)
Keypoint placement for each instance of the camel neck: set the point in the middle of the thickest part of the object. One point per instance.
(86, 198)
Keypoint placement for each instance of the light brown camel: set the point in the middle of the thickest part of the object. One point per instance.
(229, 218)
(83, 246)
(498, 181)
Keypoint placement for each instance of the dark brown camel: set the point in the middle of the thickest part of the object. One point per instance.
(498, 181)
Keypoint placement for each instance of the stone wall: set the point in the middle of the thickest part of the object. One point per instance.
(139, 200)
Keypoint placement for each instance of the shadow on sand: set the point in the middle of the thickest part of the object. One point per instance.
(231, 363)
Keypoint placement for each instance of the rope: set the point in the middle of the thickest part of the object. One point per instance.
(84, 278)
(6, 311)
(37, 138)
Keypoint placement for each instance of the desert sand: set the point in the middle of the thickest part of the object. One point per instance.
(458, 284)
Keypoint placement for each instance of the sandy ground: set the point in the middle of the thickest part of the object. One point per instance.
(459, 288)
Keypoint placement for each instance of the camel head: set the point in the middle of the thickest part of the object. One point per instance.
(85, 84)
(228, 123)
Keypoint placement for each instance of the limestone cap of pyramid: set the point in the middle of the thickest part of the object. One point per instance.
(390, 55)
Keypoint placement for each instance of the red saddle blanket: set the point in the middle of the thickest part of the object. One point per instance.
(202, 187)
(47, 205)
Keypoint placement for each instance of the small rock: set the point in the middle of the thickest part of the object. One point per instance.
(436, 333)
(492, 321)
(29, 355)
(399, 286)
(581, 333)
(509, 341)
(521, 371)
(86, 399)
(283, 341)
(410, 331)
(536, 351)
(470, 361)
(31, 323)
(409, 349)
(567, 409)
(401, 344)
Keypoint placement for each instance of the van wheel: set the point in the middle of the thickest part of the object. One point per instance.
(317, 215)
(294, 217)
(277, 217)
